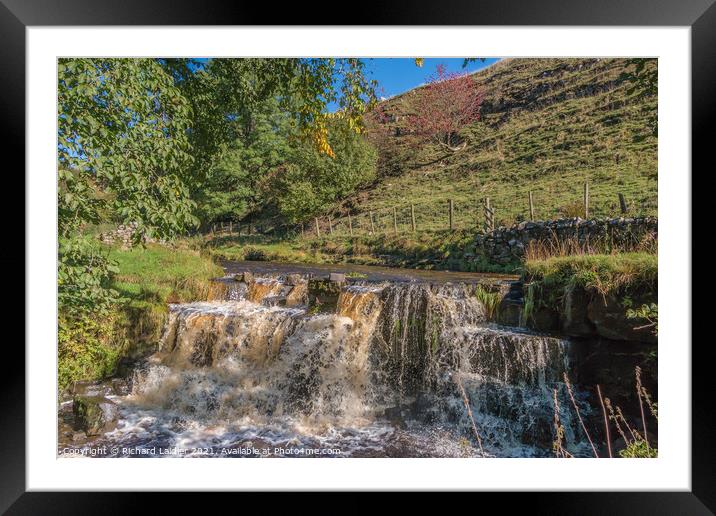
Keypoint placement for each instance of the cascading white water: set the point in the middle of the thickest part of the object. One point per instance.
(376, 376)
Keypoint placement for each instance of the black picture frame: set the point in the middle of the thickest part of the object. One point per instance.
(17, 15)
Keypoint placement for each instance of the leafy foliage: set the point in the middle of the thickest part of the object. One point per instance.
(87, 348)
(227, 90)
(639, 449)
(647, 312)
(232, 187)
(84, 276)
(122, 127)
(310, 180)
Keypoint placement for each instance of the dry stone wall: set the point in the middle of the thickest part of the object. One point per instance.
(507, 245)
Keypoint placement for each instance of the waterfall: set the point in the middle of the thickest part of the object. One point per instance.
(380, 366)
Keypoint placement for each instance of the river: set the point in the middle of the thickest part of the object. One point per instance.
(382, 363)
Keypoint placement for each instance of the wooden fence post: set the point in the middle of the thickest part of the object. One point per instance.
(318, 231)
(395, 220)
(412, 216)
(350, 224)
(303, 230)
(586, 200)
(489, 216)
(622, 203)
(372, 224)
(451, 208)
(330, 226)
(231, 228)
(532, 206)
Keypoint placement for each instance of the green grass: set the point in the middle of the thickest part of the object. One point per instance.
(625, 277)
(148, 279)
(490, 300)
(605, 274)
(261, 248)
(443, 250)
(547, 126)
(158, 274)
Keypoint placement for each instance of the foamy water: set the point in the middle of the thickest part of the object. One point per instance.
(375, 376)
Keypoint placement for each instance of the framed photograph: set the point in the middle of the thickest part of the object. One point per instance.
(418, 249)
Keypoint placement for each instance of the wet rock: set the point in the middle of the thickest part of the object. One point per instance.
(298, 295)
(324, 288)
(295, 279)
(574, 319)
(94, 415)
(544, 319)
(609, 318)
(90, 389)
(337, 277)
(120, 386)
(246, 277)
(78, 436)
(509, 313)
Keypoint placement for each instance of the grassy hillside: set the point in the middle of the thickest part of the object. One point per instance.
(547, 125)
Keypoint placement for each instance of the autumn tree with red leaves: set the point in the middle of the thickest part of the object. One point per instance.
(449, 102)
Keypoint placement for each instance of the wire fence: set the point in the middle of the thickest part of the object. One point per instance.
(483, 214)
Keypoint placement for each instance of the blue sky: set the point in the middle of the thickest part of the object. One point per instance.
(398, 75)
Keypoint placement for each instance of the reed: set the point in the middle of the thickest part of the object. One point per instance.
(579, 415)
(555, 246)
(557, 443)
(466, 401)
(606, 422)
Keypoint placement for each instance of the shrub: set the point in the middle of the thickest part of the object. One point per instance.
(639, 450)
(87, 348)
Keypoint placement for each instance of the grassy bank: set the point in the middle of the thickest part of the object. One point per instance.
(603, 273)
(547, 126)
(440, 250)
(162, 274)
(614, 294)
(91, 348)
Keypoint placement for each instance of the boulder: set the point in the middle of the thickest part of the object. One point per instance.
(94, 415)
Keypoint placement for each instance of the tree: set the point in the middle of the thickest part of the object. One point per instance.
(124, 156)
(232, 187)
(138, 136)
(448, 103)
(226, 90)
(310, 179)
(122, 133)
